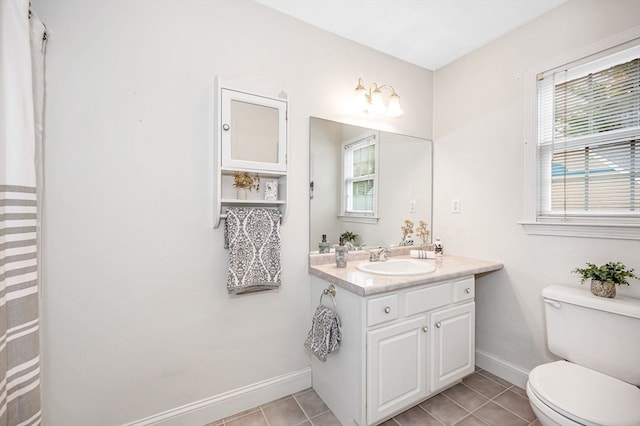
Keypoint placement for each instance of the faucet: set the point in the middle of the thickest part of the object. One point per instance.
(379, 255)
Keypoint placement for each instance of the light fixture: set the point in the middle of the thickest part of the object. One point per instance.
(371, 101)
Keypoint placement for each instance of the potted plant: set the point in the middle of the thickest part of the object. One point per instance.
(349, 237)
(243, 181)
(604, 278)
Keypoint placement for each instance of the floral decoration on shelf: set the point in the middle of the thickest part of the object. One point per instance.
(407, 230)
(244, 180)
(423, 232)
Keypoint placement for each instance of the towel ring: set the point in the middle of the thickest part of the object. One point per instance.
(331, 292)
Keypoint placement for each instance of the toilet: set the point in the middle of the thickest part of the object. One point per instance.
(596, 383)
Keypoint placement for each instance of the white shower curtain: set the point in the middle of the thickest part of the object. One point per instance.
(22, 42)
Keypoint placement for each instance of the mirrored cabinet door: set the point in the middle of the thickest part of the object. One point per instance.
(253, 131)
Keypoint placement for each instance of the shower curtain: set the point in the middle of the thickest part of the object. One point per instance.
(22, 43)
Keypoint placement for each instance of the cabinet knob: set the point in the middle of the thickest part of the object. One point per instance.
(225, 126)
(425, 328)
(467, 290)
(438, 324)
(387, 310)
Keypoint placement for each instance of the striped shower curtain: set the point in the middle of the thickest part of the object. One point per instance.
(22, 41)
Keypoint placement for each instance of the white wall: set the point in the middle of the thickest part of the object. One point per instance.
(479, 108)
(136, 317)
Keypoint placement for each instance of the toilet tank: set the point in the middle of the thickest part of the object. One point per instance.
(595, 332)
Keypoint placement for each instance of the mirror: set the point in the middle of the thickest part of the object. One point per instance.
(256, 132)
(404, 185)
(253, 131)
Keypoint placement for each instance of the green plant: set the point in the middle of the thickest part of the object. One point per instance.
(349, 236)
(612, 273)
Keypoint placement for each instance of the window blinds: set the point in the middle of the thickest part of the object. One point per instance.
(589, 140)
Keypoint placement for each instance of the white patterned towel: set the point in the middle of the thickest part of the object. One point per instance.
(325, 334)
(252, 236)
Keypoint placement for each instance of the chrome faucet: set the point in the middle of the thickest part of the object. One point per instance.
(379, 255)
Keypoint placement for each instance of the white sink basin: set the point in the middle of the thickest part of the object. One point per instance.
(397, 267)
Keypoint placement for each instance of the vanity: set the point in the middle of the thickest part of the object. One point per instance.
(405, 338)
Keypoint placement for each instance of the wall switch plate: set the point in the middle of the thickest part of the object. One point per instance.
(455, 205)
(412, 206)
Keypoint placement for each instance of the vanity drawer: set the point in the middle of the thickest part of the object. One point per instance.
(427, 298)
(464, 290)
(382, 309)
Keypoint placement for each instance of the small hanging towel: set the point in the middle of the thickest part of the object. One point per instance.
(325, 334)
(252, 236)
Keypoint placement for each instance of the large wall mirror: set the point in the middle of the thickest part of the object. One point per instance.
(375, 200)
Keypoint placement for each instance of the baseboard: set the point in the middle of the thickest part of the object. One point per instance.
(228, 403)
(501, 368)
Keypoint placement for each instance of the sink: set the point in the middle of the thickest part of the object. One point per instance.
(397, 267)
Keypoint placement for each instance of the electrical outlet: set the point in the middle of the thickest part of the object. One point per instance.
(412, 206)
(455, 205)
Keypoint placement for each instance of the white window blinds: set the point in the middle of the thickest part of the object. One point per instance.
(589, 139)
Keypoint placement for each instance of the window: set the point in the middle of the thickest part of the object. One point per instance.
(360, 182)
(588, 142)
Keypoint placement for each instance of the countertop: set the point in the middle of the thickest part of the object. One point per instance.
(366, 284)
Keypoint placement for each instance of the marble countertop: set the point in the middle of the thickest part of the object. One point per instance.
(365, 284)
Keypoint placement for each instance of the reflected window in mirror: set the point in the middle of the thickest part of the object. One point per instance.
(359, 171)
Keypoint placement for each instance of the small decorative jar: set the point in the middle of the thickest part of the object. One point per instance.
(241, 193)
(601, 289)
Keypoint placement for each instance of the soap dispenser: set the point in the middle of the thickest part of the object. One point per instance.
(341, 254)
(323, 246)
(438, 247)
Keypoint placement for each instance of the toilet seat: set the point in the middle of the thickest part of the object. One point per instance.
(586, 396)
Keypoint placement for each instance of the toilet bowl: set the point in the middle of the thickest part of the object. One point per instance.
(566, 394)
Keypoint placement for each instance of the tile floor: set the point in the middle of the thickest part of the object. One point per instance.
(481, 399)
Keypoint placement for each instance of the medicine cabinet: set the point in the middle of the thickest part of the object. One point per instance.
(249, 139)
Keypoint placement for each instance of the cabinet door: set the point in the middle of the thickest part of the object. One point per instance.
(396, 367)
(253, 131)
(453, 344)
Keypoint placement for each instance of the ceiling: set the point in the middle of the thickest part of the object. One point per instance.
(428, 33)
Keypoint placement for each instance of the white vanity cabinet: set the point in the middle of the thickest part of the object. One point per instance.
(398, 349)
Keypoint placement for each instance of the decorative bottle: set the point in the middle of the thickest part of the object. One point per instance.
(438, 247)
(341, 254)
(323, 246)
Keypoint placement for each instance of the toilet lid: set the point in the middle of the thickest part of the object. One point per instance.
(586, 396)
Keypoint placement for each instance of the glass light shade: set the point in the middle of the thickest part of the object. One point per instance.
(360, 98)
(377, 106)
(393, 109)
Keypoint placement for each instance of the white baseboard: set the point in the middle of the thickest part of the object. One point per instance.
(503, 369)
(228, 403)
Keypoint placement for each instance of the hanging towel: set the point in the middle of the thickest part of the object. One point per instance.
(252, 236)
(325, 334)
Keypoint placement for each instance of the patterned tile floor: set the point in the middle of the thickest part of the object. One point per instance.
(481, 399)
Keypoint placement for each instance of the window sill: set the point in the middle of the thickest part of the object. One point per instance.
(359, 219)
(614, 231)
